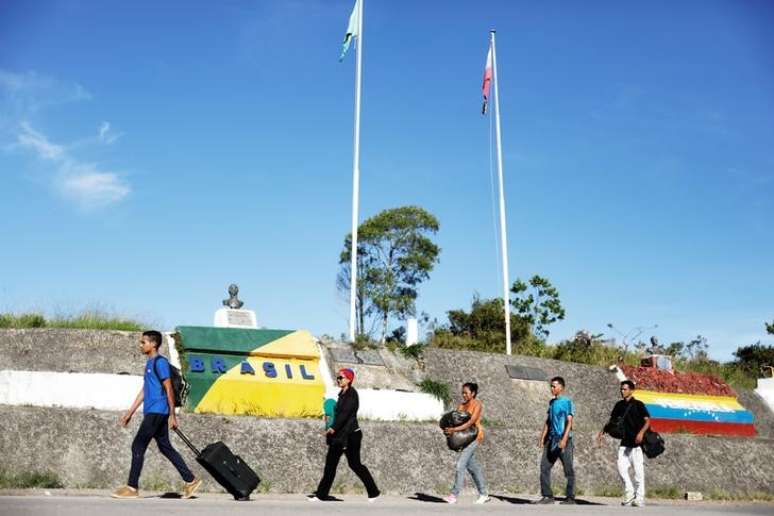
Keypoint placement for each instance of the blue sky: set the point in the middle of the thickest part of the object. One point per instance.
(152, 153)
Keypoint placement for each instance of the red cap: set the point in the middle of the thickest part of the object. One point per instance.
(349, 374)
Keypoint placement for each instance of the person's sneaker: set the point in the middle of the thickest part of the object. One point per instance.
(628, 502)
(567, 501)
(190, 487)
(482, 499)
(373, 498)
(638, 503)
(125, 492)
(450, 499)
(313, 498)
(545, 500)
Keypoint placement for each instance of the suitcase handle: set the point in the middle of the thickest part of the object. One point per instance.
(187, 442)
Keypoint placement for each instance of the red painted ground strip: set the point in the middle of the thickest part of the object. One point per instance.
(703, 427)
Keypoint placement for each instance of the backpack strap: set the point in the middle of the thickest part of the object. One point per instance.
(161, 382)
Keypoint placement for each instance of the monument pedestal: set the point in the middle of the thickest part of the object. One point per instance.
(235, 318)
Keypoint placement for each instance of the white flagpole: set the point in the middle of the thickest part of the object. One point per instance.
(356, 174)
(503, 235)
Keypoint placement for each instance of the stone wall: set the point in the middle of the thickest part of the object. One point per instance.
(79, 351)
(87, 448)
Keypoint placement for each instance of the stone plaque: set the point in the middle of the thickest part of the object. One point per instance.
(233, 318)
(518, 372)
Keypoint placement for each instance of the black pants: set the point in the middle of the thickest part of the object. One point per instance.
(352, 451)
(154, 426)
(549, 458)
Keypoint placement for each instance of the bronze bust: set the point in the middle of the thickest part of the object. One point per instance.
(233, 302)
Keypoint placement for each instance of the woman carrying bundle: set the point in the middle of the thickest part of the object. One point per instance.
(466, 460)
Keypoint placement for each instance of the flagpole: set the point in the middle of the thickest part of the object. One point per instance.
(356, 174)
(503, 235)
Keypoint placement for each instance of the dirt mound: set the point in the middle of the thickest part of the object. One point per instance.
(659, 380)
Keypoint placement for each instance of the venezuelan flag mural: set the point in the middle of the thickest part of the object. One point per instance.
(251, 372)
(698, 414)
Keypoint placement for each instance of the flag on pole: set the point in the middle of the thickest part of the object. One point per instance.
(351, 30)
(487, 80)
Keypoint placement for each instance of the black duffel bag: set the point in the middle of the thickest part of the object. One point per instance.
(458, 441)
(614, 428)
(652, 444)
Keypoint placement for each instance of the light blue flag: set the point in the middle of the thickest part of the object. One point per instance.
(351, 30)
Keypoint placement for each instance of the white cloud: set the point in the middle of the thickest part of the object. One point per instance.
(106, 135)
(83, 183)
(93, 189)
(25, 93)
(32, 139)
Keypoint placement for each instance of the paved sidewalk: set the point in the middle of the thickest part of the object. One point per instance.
(80, 502)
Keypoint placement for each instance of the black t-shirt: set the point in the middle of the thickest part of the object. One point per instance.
(634, 419)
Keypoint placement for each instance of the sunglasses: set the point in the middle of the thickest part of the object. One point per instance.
(340, 377)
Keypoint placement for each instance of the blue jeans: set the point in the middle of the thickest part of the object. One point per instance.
(154, 426)
(468, 462)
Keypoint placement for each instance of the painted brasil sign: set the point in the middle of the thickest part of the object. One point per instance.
(272, 373)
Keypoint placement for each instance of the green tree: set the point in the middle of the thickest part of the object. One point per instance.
(395, 255)
(770, 328)
(754, 358)
(482, 328)
(537, 303)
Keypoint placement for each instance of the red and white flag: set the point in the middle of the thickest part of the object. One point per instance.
(487, 80)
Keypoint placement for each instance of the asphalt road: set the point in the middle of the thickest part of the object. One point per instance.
(98, 503)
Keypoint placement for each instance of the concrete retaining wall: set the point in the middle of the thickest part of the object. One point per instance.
(87, 448)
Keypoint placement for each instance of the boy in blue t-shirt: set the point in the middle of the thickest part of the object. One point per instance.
(158, 401)
(556, 442)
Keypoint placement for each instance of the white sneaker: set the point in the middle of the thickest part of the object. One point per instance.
(372, 500)
(628, 502)
(638, 503)
(482, 499)
(312, 498)
(450, 499)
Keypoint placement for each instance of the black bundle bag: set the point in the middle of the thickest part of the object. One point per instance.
(227, 469)
(652, 444)
(458, 440)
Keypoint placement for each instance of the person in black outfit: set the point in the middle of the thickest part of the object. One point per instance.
(636, 421)
(344, 438)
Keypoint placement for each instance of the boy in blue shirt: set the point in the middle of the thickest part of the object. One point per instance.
(556, 442)
(158, 401)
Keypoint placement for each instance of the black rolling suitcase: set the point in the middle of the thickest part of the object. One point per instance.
(227, 469)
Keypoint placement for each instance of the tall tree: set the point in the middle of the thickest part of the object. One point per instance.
(395, 255)
(537, 303)
(770, 327)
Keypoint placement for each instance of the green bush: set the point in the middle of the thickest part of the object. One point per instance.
(440, 390)
(43, 480)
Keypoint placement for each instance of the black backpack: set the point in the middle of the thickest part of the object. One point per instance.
(179, 386)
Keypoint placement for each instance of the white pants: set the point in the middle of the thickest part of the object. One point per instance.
(632, 457)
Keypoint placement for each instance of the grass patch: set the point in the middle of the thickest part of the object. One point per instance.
(608, 490)
(492, 423)
(440, 390)
(721, 494)
(670, 492)
(44, 480)
(86, 320)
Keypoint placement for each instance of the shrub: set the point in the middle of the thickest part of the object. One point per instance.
(440, 390)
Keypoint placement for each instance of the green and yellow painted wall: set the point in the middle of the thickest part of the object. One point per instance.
(272, 373)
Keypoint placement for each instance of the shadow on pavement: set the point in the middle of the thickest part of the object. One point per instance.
(510, 499)
(175, 496)
(578, 501)
(422, 497)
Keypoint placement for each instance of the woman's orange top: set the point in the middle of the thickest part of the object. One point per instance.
(470, 407)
